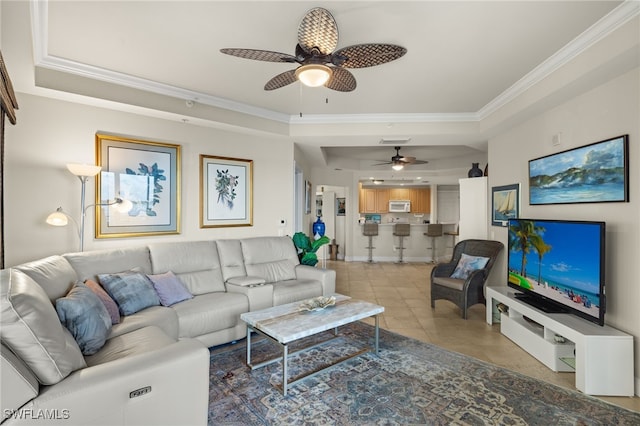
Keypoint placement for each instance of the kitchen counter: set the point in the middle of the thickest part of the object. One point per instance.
(417, 246)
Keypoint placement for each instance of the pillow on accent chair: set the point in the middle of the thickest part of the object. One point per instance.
(132, 291)
(467, 264)
(86, 317)
(108, 302)
(169, 288)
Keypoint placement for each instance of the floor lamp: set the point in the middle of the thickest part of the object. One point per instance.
(60, 218)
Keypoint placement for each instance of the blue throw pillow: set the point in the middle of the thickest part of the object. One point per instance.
(467, 264)
(132, 291)
(85, 316)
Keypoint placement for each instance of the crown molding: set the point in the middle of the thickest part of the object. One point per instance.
(602, 28)
(598, 31)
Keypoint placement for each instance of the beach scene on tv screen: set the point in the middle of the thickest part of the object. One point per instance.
(558, 260)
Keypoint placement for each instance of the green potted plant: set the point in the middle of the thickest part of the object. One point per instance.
(307, 247)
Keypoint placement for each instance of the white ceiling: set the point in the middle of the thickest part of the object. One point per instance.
(464, 58)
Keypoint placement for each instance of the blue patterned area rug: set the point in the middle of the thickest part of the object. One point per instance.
(409, 383)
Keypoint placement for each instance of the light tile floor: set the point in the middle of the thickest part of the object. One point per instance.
(403, 289)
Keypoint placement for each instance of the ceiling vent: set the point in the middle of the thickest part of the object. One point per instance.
(394, 141)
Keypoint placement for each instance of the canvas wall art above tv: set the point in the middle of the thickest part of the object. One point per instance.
(594, 173)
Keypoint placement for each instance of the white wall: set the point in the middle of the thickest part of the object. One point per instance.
(52, 133)
(609, 110)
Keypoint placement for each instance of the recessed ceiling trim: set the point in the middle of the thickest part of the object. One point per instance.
(384, 118)
(616, 18)
(598, 31)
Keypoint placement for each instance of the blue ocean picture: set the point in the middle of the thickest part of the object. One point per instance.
(592, 173)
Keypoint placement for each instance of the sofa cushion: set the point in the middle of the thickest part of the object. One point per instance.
(295, 290)
(86, 317)
(196, 263)
(467, 264)
(231, 258)
(169, 288)
(54, 274)
(18, 385)
(89, 264)
(107, 301)
(210, 312)
(132, 291)
(146, 339)
(159, 316)
(272, 258)
(32, 330)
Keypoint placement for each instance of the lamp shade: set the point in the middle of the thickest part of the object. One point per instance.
(313, 75)
(83, 169)
(57, 218)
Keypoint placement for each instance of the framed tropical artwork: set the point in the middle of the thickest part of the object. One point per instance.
(595, 173)
(226, 192)
(505, 204)
(146, 175)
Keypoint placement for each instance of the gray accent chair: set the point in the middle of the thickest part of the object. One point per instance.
(464, 293)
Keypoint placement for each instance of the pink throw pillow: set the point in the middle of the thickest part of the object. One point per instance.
(108, 302)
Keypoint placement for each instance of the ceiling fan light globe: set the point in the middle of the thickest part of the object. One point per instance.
(397, 166)
(313, 75)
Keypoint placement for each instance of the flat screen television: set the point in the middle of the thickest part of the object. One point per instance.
(559, 265)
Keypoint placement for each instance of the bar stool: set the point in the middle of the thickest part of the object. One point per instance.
(434, 230)
(401, 230)
(370, 230)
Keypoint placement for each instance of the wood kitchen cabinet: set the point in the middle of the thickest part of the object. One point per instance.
(420, 200)
(374, 200)
(382, 200)
(399, 194)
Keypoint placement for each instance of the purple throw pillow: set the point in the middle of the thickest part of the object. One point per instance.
(108, 302)
(169, 288)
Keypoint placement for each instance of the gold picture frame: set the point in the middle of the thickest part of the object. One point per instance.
(226, 191)
(146, 175)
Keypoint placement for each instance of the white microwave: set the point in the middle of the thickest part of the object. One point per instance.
(399, 206)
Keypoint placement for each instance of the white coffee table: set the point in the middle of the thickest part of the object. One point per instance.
(285, 324)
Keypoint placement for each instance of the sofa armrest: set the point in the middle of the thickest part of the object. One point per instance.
(327, 277)
(260, 296)
(114, 392)
(246, 281)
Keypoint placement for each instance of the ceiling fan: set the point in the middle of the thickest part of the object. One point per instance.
(399, 161)
(319, 64)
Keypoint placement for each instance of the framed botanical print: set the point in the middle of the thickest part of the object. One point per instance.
(226, 191)
(146, 176)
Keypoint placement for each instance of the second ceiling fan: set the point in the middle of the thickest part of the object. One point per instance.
(399, 161)
(320, 65)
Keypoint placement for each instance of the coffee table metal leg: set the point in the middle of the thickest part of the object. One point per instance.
(285, 355)
(377, 333)
(248, 345)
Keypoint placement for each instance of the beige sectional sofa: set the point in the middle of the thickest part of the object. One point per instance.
(154, 365)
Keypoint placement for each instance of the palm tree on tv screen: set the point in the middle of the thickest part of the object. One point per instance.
(542, 248)
(519, 240)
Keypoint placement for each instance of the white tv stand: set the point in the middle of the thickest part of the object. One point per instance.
(602, 357)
